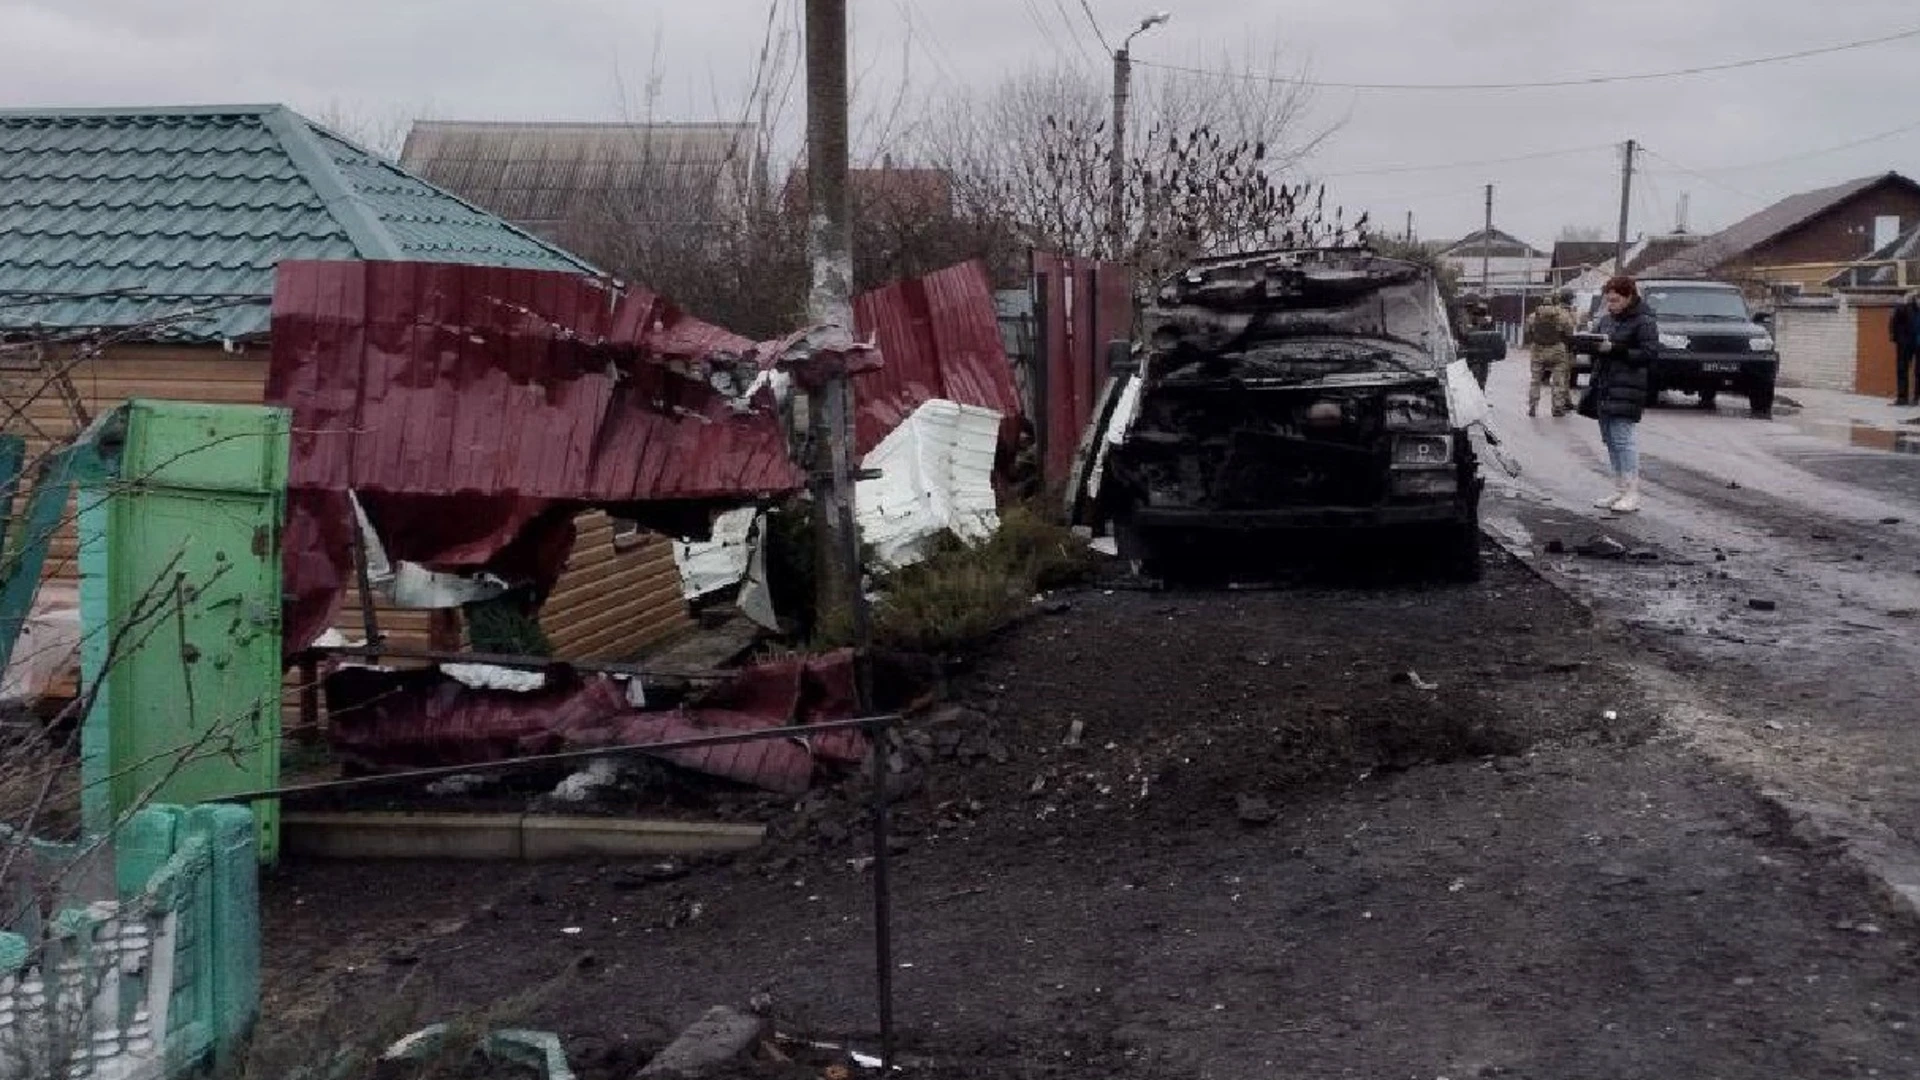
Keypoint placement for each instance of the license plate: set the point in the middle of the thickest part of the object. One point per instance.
(1721, 368)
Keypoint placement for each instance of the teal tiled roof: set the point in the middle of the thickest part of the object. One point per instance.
(110, 218)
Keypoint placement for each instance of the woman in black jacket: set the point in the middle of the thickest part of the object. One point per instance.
(1619, 387)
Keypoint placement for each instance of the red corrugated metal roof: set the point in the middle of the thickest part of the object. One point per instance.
(939, 337)
(435, 379)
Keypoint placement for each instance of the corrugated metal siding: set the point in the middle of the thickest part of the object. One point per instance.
(939, 337)
(613, 604)
(1086, 304)
(438, 379)
(581, 614)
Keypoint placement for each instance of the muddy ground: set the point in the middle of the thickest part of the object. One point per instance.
(1273, 852)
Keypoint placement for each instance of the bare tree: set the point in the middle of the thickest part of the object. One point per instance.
(1208, 161)
(381, 130)
(1584, 234)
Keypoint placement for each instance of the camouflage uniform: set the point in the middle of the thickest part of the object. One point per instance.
(1549, 331)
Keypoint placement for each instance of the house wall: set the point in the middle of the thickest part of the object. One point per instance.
(1841, 235)
(1818, 345)
(612, 602)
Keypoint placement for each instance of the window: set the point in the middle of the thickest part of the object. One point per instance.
(1886, 229)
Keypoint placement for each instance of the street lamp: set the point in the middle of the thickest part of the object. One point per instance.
(1117, 166)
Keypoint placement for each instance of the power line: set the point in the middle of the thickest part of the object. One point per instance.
(1591, 80)
(1066, 20)
(1822, 152)
(1390, 170)
(1087, 6)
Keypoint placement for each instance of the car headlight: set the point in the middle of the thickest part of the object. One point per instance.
(1422, 450)
(1760, 344)
(1675, 341)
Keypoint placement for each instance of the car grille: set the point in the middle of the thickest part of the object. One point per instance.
(1718, 343)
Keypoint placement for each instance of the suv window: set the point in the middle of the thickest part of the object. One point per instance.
(1687, 302)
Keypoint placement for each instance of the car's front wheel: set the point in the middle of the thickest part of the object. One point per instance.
(1760, 400)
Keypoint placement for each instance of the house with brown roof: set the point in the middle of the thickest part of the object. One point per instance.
(1803, 239)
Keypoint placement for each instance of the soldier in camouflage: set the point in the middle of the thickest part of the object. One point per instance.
(1550, 331)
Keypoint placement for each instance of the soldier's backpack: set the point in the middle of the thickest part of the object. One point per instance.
(1543, 330)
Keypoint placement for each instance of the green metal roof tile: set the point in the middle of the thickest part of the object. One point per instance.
(185, 203)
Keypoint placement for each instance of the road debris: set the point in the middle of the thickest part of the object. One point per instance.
(1763, 605)
(1413, 679)
(1602, 546)
(721, 1036)
(1255, 810)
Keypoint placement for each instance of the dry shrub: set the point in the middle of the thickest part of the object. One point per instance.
(964, 592)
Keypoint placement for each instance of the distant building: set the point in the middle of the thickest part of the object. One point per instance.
(1573, 258)
(562, 180)
(1511, 265)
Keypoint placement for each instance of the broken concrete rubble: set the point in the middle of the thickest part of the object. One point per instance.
(721, 1036)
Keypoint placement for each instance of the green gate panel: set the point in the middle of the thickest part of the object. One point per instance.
(181, 603)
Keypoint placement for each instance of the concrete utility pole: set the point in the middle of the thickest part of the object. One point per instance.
(1409, 226)
(830, 303)
(1117, 163)
(1626, 197)
(1486, 250)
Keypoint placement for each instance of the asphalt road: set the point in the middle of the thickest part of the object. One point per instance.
(1777, 576)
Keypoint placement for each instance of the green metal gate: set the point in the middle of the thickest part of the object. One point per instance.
(180, 595)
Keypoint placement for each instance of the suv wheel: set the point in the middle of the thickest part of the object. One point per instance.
(1760, 400)
(1709, 399)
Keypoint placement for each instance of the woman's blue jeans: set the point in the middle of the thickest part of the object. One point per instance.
(1623, 450)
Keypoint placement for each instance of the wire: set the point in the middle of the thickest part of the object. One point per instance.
(1700, 175)
(1087, 6)
(1591, 80)
(1060, 9)
(1390, 170)
(1806, 154)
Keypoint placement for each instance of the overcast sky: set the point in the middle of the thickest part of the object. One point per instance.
(381, 60)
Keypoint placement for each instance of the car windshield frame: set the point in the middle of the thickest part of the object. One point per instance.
(1732, 307)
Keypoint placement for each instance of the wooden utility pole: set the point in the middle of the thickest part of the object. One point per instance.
(1626, 202)
(1409, 226)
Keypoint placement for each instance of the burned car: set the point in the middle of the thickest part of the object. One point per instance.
(1286, 391)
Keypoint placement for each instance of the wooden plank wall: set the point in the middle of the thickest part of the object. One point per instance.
(614, 601)
(610, 604)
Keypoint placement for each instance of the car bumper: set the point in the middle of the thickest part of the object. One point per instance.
(1393, 515)
(1716, 371)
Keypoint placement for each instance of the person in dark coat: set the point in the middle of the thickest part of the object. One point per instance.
(1622, 377)
(1904, 327)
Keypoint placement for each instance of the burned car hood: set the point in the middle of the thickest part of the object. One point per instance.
(1229, 306)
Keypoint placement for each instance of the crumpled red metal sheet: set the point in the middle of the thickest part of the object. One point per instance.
(439, 379)
(403, 719)
(940, 337)
(475, 408)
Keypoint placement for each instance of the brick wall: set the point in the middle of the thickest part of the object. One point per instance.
(1817, 344)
